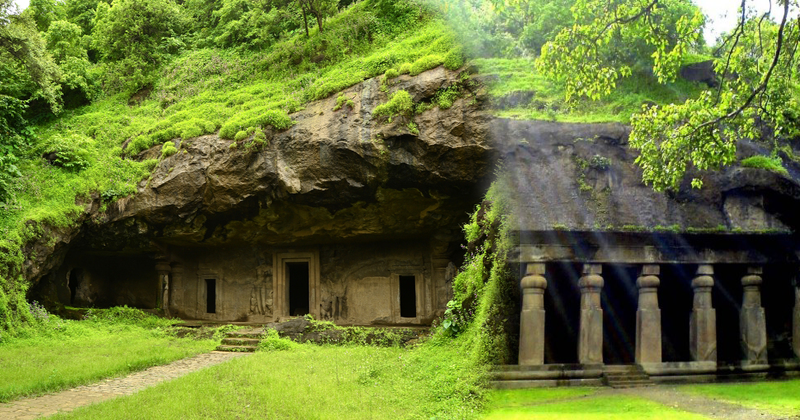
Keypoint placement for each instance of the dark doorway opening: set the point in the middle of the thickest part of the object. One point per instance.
(297, 277)
(562, 301)
(777, 298)
(727, 299)
(619, 300)
(211, 296)
(408, 297)
(73, 284)
(675, 298)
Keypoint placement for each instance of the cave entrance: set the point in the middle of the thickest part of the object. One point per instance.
(297, 276)
(73, 282)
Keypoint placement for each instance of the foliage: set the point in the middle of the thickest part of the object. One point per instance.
(135, 37)
(273, 342)
(21, 43)
(343, 100)
(484, 289)
(63, 41)
(770, 163)
(398, 104)
(585, 56)
(70, 151)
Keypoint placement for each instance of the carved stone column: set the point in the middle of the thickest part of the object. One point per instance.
(162, 297)
(752, 321)
(531, 322)
(648, 317)
(703, 321)
(176, 286)
(590, 339)
(796, 330)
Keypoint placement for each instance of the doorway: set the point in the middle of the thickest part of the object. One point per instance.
(297, 276)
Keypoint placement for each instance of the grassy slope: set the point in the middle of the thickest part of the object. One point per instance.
(779, 397)
(514, 76)
(312, 382)
(80, 352)
(201, 92)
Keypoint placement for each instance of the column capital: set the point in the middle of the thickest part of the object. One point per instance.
(534, 278)
(705, 270)
(163, 267)
(648, 282)
(650, 270)
(589, 269)
(177, 268)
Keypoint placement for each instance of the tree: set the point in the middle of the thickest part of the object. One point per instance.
(63, 40)
(756, 63)
(136, 37)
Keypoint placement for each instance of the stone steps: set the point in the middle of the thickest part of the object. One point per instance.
(246, 349)
(242, 340)
(627, 376)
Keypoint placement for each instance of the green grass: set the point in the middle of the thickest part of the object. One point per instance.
(81, 352)
(774, 164)
(312, 382)
(779, 397)
(508, 77)
(550, 404)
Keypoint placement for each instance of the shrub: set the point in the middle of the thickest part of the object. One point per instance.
(774, 164)
(273, 342)
(446, 97)
(404, 68)
(168, 150)
(399, 104)
(71, 151)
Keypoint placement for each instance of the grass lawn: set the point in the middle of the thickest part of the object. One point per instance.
(575, 403)
(779, 397)
(86, 351)
(308, 382)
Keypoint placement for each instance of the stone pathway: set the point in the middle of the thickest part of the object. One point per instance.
(45, 405)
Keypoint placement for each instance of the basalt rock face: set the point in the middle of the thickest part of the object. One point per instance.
(583, 177)
(336, 174)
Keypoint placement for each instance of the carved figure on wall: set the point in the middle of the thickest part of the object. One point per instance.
(261, 295)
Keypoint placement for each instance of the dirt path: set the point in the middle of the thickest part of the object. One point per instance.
(45, 405)
(709, 407)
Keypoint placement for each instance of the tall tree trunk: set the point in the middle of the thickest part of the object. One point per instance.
(319, 21)
(305, 20)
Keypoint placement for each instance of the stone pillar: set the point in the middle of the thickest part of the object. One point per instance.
(176, 288)
(752, 322)
(162, 297)
(648, 317)
(703, 321)
(531, 322)
(796, 323)
(590, 339)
